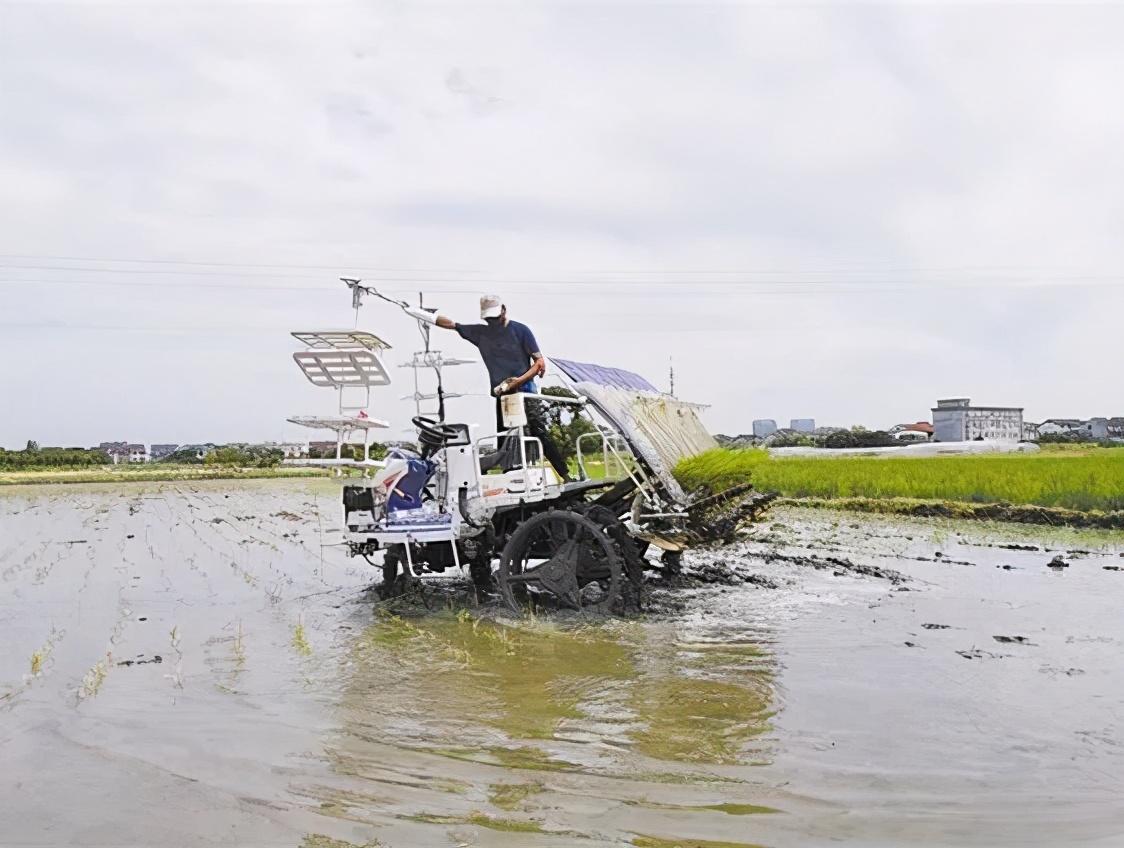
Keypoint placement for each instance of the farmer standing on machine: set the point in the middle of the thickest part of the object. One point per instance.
(513, 360)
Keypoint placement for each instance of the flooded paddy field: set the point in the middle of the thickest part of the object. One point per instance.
(200, 664)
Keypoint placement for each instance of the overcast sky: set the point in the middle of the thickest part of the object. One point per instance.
(838, 212)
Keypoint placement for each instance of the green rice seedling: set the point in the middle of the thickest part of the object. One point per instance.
(300, 641)
(1071, 480)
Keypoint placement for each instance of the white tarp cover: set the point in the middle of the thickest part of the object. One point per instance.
(661, 429)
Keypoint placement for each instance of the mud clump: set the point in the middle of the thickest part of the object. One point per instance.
(1057, 563)
(155, 660)
(762, 581)
(1053, 671)
(1051, 516)
(700, 573)
(713, 572)
(840, 566)
(1012, 640)
(977, 654)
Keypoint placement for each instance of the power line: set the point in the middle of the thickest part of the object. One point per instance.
(701, 288)
(331, 267)
(834, 276)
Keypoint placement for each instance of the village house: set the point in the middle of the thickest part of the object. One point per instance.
(956, 420)
(1057, 426)
(116, 451)
(1091, 428)
(920, 431)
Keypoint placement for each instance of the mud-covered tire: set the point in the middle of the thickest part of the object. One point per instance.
(593, 557)
(631, 552)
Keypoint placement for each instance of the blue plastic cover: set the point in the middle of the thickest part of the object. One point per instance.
(587, 372)
(407, 494)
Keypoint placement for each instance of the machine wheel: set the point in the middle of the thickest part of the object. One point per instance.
(560, 555)
(631, 552)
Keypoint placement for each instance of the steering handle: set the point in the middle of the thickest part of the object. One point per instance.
(435, 429)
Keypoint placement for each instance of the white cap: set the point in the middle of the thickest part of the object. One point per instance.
(490, 306)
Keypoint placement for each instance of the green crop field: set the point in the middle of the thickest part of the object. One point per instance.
(1078, 480)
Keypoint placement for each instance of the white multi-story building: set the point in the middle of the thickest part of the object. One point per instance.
(956, 420)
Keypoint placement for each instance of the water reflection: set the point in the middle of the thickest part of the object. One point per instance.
(450, 720)
(445, 680)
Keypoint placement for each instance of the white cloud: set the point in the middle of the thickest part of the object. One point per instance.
(840, 152)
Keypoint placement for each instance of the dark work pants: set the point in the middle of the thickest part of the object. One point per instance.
(536, 426)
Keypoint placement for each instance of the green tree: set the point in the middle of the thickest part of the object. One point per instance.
(566, 423)
(228, 455)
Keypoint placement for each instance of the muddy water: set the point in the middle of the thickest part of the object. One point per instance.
(199, 664)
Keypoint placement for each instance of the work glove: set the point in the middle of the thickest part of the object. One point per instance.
(421, 314)
(504, 387)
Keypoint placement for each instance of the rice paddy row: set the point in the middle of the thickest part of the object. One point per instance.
(1086, 481)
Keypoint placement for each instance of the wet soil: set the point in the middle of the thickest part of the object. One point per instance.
(1050, 516)
(200, 664)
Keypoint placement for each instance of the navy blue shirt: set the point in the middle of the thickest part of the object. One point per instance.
(505, 348)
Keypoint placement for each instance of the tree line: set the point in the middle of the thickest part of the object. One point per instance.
(34, 456)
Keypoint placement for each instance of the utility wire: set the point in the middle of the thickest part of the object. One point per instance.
(643, 287)
(839, 268)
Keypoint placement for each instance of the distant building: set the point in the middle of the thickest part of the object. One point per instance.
(116, 451)
(919, 431)
(1092, 428)
(916, 432)
(290, 450)
(1097, 428)
(1030, 431)
(763, 427)
(137, 453)
(910, 436)
(161, 451)
(956, 420)
(1056, 426)
(802, 425)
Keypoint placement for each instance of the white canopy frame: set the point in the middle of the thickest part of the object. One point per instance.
(343, 426)
(349, 362)
(340, 340)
